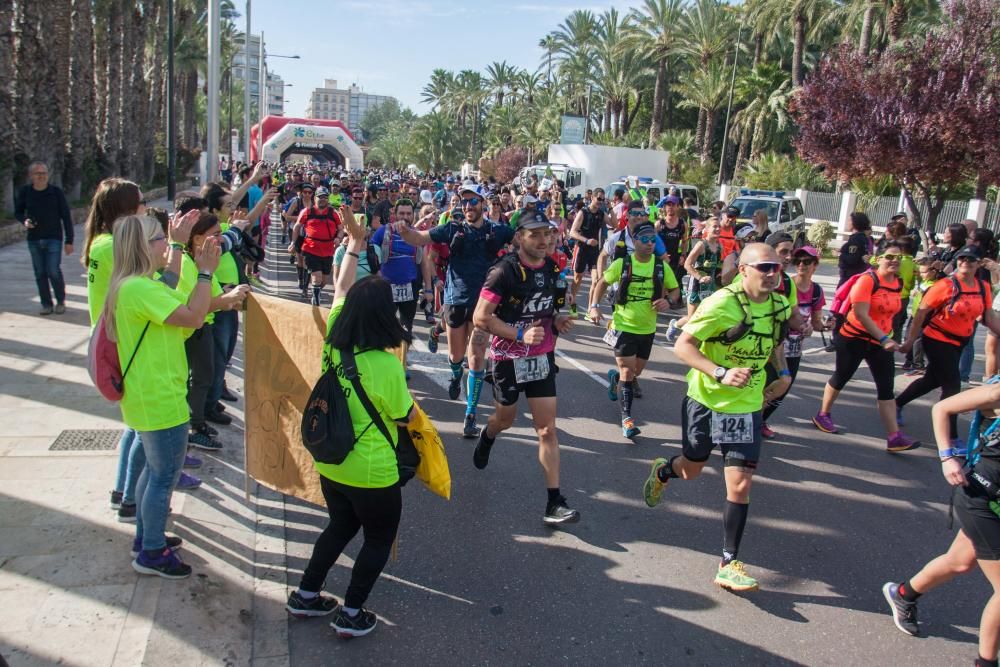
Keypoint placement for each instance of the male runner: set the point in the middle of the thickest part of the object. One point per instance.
(586, 231)
(727, 343)
(519, 306)
(646, 283)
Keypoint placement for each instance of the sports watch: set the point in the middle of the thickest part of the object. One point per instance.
(719, 373)
(950, 453)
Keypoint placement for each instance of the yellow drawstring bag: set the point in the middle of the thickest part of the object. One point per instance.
(433, 469)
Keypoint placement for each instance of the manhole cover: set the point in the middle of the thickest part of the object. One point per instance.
(87, 440)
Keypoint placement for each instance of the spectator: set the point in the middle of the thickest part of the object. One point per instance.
(855, 252)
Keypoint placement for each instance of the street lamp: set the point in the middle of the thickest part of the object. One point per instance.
(262, 91)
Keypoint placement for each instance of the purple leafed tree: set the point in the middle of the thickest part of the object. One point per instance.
(927, 111)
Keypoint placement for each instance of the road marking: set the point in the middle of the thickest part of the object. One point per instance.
(594, 376)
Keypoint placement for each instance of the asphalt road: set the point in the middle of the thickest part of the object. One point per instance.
(480, 579)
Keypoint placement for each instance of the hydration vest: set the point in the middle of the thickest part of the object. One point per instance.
(745, 327)
(659, 275)
(511, 309)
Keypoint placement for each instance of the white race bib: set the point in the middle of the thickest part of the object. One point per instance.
(402, 293)
(793, 346)
(611, 336)
(531, 369)
(732, 429)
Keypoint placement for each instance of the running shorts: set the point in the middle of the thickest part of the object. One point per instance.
(696, 437)
(506, 389)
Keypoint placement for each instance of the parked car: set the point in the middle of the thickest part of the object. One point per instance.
(784, 213)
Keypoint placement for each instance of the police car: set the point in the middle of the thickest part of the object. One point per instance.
(784, 213)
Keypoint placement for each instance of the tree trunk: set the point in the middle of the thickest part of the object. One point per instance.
(982, 185)
(699, 130)
(58, 39)
(6, 108)
(896, 21)
(81, 155)
(659, 93)
(630, 114)
(867, 23)
(798, 47)
(111, 140)
(758, 48)
(608, 112)
(155, 94)
(742, 152)
(190, 87)
(706, 149)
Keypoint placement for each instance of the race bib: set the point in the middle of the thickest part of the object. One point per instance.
(611, 336)
(402, 293)
(793, 346)
(531, 369)
(732, 429)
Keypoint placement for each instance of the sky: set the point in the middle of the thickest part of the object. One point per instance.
(390, 47)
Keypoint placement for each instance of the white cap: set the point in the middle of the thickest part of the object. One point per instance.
(426, 197)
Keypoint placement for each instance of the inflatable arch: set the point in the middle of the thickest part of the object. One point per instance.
(283, 136)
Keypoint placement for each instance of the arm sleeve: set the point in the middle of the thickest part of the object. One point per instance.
(496, 284)
(441, 233)
(392, 391)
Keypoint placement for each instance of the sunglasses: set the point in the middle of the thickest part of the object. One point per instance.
(601, 199)
(767, 268)
(646, 239)
(805, 260)
(471, 201)
(966, 259)
(637, 212)
(891, 256)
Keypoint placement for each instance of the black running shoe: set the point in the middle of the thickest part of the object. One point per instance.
(470, 430)
(200, 439)
(166, 565)
(354, 626)
(558, 513)
(904, 614)
(301, 607)
(217, 417)
(228, 395)
(173, 543)
(126, 513)
(481, 456)
(116, 499)
(455, 387)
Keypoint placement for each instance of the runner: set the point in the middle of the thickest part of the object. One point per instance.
(703, 265)
(320, 226)
(402, 264)
(586, 231)
(674, 232)
(473, 244)
(519, 306)
(646, 285)
(741, 325)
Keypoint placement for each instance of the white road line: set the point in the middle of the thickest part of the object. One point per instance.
(594, 376)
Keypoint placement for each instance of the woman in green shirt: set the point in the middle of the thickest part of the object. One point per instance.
(363, 492)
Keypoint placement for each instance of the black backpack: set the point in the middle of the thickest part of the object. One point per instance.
(659, 274)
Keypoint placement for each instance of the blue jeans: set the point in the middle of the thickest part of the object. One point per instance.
(227, 322)
(968, 356)
(46, 257)
(165, 450)
(131, 461)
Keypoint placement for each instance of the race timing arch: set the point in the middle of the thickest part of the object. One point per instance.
(323, 138)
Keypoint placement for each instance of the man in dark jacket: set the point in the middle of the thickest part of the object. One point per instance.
(43, 209)
(856, 251)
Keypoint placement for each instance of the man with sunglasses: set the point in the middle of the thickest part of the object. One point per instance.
(674, 232)
(727, 343)
(474, 244)
(648, 287)
(586, 231)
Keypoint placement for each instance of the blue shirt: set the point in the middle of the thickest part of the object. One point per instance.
(471, 256)
(400, 266)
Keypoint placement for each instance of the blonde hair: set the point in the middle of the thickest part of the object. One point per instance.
(133, 257)
(760, 216)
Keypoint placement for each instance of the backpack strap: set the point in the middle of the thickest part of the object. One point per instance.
(135, 351)
(659, 275)
(350, 367)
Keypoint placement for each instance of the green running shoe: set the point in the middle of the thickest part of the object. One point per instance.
(652, 490)
(734, 577)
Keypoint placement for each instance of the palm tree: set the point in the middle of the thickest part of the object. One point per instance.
(680, 144)
(800, 14)
(549, 43)
(441, 83)
(7, 107)
(707, 90)
(656, 35)
(528, 84)
(707, 30)
(434, 142)
(764, 92)
(499, 77)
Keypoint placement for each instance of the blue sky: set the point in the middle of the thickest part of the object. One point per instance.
(390, 47)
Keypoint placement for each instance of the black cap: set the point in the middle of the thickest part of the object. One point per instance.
(777, 238)
(732, 210)
(532, 221)
(643, 228)
(969, 251)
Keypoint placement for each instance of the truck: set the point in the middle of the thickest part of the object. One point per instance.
(586, 166)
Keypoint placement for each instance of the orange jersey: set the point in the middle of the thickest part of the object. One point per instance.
(882, 306)
(953, 320)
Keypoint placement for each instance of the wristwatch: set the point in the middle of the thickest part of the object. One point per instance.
(719, 373)
(950, 453)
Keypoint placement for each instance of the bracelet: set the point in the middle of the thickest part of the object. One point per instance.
(883, 339)
(354, 254)
(204, 277)
(176, 246)
(520, 335)
(951, 452)
(595, 305)
(784, 372)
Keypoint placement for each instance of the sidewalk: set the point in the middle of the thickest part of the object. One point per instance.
(68, 594)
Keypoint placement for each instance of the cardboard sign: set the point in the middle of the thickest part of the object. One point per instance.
(284, 345)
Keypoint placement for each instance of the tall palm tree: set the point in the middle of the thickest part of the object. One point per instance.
(707, 90)
(528, 85)
(708, 30)
(435, 143)
(799, 16)
(764, 93)
(441, 83)
(549, 43)
(656, 35)
(499, 77)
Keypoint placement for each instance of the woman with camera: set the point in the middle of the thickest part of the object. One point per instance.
(363, 492)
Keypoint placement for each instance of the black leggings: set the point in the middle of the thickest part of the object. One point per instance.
(942, 371)
(408, 309)
(200, 349)
(352, 508)
(793, 368)
(851, 352)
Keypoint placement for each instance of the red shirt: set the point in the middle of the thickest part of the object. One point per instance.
(959, 319)
(320, 228)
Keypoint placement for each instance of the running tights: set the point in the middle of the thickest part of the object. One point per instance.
(942, 371)
(851, 352)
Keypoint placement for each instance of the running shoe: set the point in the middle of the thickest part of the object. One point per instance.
(636, 390)
(172, 543)
(60, 308)
(673, 332)
(254, 279)
(733, 576)
(558, 512)
(629, 429)
(572, 311)
(900, 442)
(899, 416)
(652, 489)
(455, 387)
(116, 499)
(187, 482)
(217, 417)
(126, 513)
(824, 422)
(470, 430)
(200, 439)
(191, 461)
(904, 614)
(320, 605)
(228, 395)
(481, 455)
(432, 341)
(167, 565)
(348, 626)
(613, 377)
(907, 366)
(767, 432)
(429, 313)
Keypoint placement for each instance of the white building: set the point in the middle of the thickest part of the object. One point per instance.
(348, 105)
(275, 85)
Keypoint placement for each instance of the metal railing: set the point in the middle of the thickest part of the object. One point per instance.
(823, 206)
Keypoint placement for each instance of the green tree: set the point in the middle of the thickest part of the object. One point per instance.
(656, 35)
(706, 90)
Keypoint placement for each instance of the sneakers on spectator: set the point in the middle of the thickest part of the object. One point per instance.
(116, 499)
(60, 308)
(202, 440)
(320, 605)
(191, 461)
(228, 395)
(172, 543)
(348, 626)
(46, 310)
(187, 482)
(217, 417)
(167, 565)
(126, 513)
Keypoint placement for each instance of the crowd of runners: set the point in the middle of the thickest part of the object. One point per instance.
(502, 271)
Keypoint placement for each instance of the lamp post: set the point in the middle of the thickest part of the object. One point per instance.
(214, 39)
(171, 139)
(262, 92)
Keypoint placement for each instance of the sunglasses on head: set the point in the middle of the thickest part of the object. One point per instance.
(767, 268)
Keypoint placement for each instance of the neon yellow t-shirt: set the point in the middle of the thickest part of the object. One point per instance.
(715, 316)
(638, 315)
(189, 280)
(372, 462)
(99, 269)
(228, 272)
(155, 394)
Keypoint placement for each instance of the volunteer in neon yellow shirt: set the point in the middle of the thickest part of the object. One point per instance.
(362, 492)
(147, 317)
(731, 337)
(637, 302)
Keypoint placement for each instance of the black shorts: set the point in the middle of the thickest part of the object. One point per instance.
(696, 437)
(634, 345)
(506, 389)
(457, 316)
(978, 521)
(322, 264)
(585, 257)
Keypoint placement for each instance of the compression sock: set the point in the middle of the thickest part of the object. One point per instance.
(734, 520)
(316, 291)
(983, 662)
(553, 495)
(456, 368)
(474, 384)
(666, 472)
(626, 391)
(907, 593)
